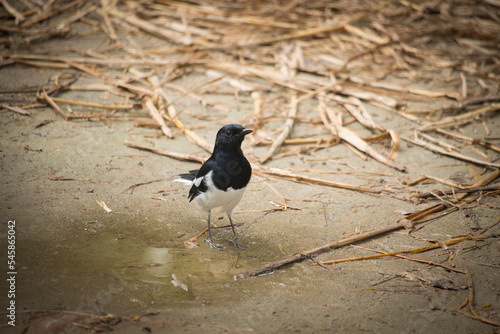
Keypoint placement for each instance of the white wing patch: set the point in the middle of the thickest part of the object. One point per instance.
(197, 181)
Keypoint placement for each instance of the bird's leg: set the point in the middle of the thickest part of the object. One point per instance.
(212, 244)
(235, 240)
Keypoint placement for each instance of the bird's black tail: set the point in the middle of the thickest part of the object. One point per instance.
(189, 176)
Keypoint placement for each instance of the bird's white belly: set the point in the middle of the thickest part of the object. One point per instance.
(214, 198)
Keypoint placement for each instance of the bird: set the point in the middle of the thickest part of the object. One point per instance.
(222, 179)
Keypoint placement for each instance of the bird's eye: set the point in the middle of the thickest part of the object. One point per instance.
(228, 133)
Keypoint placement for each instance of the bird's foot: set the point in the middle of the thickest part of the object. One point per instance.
(237, 244)
(217, 247)
(213, 245)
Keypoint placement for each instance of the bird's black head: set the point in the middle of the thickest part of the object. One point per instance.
(231, 136)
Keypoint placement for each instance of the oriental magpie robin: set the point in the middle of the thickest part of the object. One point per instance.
(221, 180)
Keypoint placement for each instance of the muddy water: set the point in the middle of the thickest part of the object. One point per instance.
(100, 273)
(118, 273)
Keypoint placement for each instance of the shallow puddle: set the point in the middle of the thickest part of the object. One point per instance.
(117, 273)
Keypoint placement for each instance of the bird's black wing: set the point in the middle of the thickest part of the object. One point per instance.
(199, 183)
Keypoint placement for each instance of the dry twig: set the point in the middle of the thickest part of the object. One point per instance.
(286, 130)
(414, 250)
(437, 149)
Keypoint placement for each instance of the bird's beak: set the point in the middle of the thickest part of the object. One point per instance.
(245, 132)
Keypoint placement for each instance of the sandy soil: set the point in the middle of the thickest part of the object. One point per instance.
(74, 260)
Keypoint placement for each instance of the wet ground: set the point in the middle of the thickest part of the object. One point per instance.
(76, 263)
